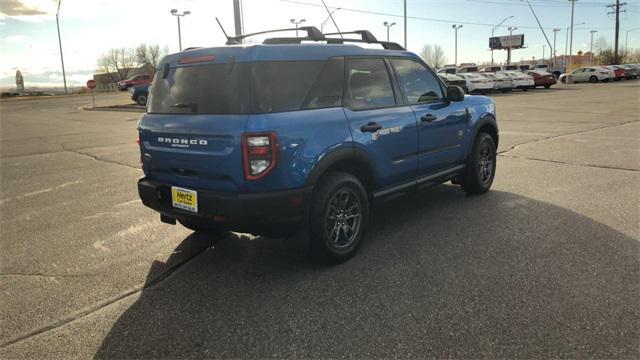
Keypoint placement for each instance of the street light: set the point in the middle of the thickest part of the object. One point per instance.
(591, 46)
(388, 25)
(327, 19)
(493, 32)
(626, 38)
(555, 32)
(511, 30)
(64, 76)
(297, 22)
(573, 6)
(456, 27)
(566, 44)
(174, 12)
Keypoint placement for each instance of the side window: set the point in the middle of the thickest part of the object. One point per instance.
(327, 90)
(592, 70)
(369, 85)
(417, 83)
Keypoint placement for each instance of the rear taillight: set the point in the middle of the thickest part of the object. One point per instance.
(260, 154)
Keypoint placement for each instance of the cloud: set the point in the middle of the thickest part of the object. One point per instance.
(18, 8)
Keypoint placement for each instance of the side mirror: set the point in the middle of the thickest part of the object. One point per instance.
(455, 93)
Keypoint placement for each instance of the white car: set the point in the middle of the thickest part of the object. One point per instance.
(502, 82)
(591, 74)
(520, 80)
(477, 83)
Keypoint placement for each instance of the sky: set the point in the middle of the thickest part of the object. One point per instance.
(29, 41)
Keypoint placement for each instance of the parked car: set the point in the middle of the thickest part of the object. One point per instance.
(477, 83)
(140, 94)
(451, 79)
(632, 72)
(135, 81)
(619, 72)
(491, 69)
(591, 74)
(281, 138)
(448, 70)
(468, 69)
(501, 82)
(542, 78)
(520, 80)
(524, 67)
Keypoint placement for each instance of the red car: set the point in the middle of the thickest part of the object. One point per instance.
(541, 78)
(619, 72)
(135, 81)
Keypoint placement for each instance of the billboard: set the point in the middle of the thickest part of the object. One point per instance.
(506, 42)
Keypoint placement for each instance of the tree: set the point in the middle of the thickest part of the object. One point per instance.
(150, 55)
(118, 63)
(433, 55)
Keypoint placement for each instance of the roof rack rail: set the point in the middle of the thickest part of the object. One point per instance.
(313, 34)
(366, 37)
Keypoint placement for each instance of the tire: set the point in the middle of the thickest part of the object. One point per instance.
(524, 89)
(547, 86)
(593, 79)
(141, 100)
(338, 218)
(201, 226)
(481, 166)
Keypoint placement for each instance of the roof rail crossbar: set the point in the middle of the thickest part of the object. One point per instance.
(366, 35)
(313, 34)
(385, 44)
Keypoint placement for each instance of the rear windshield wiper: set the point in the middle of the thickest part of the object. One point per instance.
(191, 105)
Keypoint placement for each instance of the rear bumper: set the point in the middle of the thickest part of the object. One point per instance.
(251, 213)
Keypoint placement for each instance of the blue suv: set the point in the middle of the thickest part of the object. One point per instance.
(289, 136)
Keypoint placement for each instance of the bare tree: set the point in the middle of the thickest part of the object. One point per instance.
(118, 63)
(150, 55)
(433, 55)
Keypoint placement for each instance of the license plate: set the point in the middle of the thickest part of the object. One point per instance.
(184, 199)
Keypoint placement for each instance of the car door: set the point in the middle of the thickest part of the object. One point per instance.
(441, 124)
(578, 75)
(380, 124)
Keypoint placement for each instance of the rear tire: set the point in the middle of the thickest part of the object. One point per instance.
(141, 100)
(481, 166)
(593, 79)
(338, 218)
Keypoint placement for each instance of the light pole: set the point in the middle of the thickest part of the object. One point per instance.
(64, 76)
(555, 32)
(456, 27)
(296, 23)
(591, 46)
(543, 46)
(327, 19)
(175, 13)
(493, 32)
(573, 7)
(566, 43)
(388, 25)
(511, 30)
(626, 38)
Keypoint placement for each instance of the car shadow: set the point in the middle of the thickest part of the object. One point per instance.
(441, 274)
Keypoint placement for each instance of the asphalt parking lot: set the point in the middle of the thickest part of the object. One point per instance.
(546, 265)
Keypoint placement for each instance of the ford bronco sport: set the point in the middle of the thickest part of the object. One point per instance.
(296, 135)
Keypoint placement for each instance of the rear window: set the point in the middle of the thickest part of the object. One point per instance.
(244, 88)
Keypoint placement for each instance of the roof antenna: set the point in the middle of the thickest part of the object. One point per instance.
(221, 28)
(331, 16)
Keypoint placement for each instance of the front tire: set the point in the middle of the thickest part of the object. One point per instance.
(547, 86)
(481, 166)
(338, 218)
(142, 100)
(593, 79)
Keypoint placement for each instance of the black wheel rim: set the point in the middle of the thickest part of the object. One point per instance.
(343, 219)
(486, 162)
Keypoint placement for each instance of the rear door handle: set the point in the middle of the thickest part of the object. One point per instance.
(371, 127)
(428, 118)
